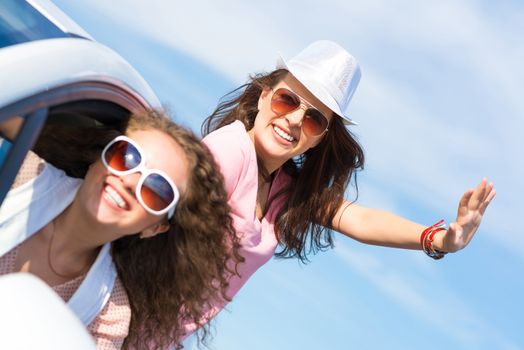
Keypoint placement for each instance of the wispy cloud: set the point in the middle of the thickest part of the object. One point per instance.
(431, 302)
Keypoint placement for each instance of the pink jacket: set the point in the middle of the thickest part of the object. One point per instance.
(235, 154)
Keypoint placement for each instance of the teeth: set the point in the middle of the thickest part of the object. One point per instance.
(283, 134)
(115, 197)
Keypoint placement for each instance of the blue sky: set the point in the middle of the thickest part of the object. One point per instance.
(439, 105)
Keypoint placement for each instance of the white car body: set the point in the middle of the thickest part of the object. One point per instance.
(47, 62)
(35, 66)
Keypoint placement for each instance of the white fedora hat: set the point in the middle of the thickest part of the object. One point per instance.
(329, 72)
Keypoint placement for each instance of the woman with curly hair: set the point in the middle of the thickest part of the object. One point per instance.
(137, 248)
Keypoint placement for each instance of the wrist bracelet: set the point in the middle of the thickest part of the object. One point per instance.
(426, 240)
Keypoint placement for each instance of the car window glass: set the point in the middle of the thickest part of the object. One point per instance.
(4, 149)
(20, 22)
(8, 130)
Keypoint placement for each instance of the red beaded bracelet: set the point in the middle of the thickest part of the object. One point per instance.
(426, 240)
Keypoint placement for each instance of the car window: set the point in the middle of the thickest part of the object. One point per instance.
(8, 130)
(18, 135)
(20, 22)
(4, 148)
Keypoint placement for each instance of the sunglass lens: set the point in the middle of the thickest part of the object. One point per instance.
(122, 156)
(314, 122)
(157, 193)
(284, 101)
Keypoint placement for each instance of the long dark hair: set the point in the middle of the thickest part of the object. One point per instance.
(320, 176)
(174, 278)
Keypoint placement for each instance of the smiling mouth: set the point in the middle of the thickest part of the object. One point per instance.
(283, 134)
(112, 195)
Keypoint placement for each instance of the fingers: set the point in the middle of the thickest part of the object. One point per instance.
(472, 206)
(478, 195)
(491, 194)
(477, 199)
(465, 198)
(488, 199)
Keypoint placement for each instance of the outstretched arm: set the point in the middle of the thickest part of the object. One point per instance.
(379, 227)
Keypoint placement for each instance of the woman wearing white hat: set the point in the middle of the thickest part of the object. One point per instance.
(287, 157)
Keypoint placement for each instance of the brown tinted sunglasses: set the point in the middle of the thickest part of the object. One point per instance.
(285, 101)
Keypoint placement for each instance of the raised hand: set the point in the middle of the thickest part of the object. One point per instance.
(471, 208)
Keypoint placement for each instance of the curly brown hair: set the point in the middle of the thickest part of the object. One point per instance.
(174, 278)
(320, 176)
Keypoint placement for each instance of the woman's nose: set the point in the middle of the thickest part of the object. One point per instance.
(130, 181)
(295, 118)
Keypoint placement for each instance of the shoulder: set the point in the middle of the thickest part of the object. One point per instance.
(111, 326)
(46, 184)
(30, 169)
(233, 152)
(232, 138)
(43, 197)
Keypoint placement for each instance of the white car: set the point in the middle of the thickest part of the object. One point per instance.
(49, 66)
(52, 71)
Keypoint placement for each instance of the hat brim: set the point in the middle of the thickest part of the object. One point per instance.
(316, 89)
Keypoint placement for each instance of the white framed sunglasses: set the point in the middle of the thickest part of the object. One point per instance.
(155, 191)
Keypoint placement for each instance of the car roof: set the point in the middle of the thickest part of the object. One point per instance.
(42, 65)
